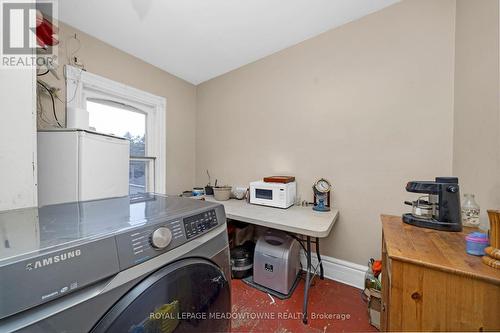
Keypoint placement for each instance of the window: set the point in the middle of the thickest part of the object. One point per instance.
(125, 111)
(103, 117)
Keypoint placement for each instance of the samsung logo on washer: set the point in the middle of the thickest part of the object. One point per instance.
(53, 260)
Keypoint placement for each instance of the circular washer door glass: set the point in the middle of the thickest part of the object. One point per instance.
(188, 295)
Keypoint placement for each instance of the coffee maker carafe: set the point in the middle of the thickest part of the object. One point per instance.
(439, 205)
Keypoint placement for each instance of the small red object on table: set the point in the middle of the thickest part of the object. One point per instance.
(279, 179)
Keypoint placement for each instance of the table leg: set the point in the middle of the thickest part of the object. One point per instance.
(308, 278)
(321, 271)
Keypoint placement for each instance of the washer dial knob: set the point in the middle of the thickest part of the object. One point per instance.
(161, 237)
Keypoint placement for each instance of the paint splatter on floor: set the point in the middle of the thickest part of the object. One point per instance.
(333, 307)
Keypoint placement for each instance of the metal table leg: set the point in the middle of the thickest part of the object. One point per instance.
(308, 278)
(321, 272)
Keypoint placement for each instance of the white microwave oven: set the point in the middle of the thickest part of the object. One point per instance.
(273, 194)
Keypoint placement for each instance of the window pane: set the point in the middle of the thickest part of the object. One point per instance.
(137, 177)
(141, 176)
(111, 119)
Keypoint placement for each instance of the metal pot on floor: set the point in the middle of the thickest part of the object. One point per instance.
(242, 260)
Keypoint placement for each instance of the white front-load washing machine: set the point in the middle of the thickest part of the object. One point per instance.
(146, 264)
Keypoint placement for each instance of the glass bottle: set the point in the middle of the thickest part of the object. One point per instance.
(470, 211)
(369, 276)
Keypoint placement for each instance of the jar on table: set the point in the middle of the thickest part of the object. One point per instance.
(470, 211)
(476, 242)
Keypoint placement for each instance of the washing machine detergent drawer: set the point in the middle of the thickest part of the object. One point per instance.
(40, 279)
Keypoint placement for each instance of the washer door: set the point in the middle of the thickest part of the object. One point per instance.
(191, 294)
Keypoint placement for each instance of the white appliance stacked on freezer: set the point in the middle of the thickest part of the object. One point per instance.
(80, 165)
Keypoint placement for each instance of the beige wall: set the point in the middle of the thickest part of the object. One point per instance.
(102, 59)
(391, 97)
(367, 106)
(476, 149)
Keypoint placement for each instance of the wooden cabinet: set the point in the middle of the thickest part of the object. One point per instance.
(429, 283)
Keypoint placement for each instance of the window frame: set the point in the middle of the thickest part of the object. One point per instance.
(82, 85)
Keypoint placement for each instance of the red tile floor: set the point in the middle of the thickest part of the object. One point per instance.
(327, 298)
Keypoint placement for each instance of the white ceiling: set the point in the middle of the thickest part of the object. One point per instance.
(197, 40)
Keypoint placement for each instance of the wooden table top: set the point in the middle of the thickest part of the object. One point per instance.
(440, 250)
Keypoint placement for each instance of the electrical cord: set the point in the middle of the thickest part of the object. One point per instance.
(76, 85)
(40, 113)
(300, 242)
(44, 73)
(53, 102)
(69, 57)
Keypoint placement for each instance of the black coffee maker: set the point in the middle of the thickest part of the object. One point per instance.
(439, 206)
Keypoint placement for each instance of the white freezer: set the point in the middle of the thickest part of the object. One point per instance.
(80, 165)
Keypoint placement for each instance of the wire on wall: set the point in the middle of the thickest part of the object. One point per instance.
(40, 113)
(52, 98)
(71, 55)
(72, 46)
(76, 85)
(43, 73)
(73, 60)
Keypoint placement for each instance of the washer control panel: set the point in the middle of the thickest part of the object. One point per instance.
(199, 223)
(161, 238)
(142, 244)
(149, 241)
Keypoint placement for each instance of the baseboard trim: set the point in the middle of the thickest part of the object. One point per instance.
(339, 270)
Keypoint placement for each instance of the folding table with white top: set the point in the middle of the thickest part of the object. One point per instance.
(298, 220)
